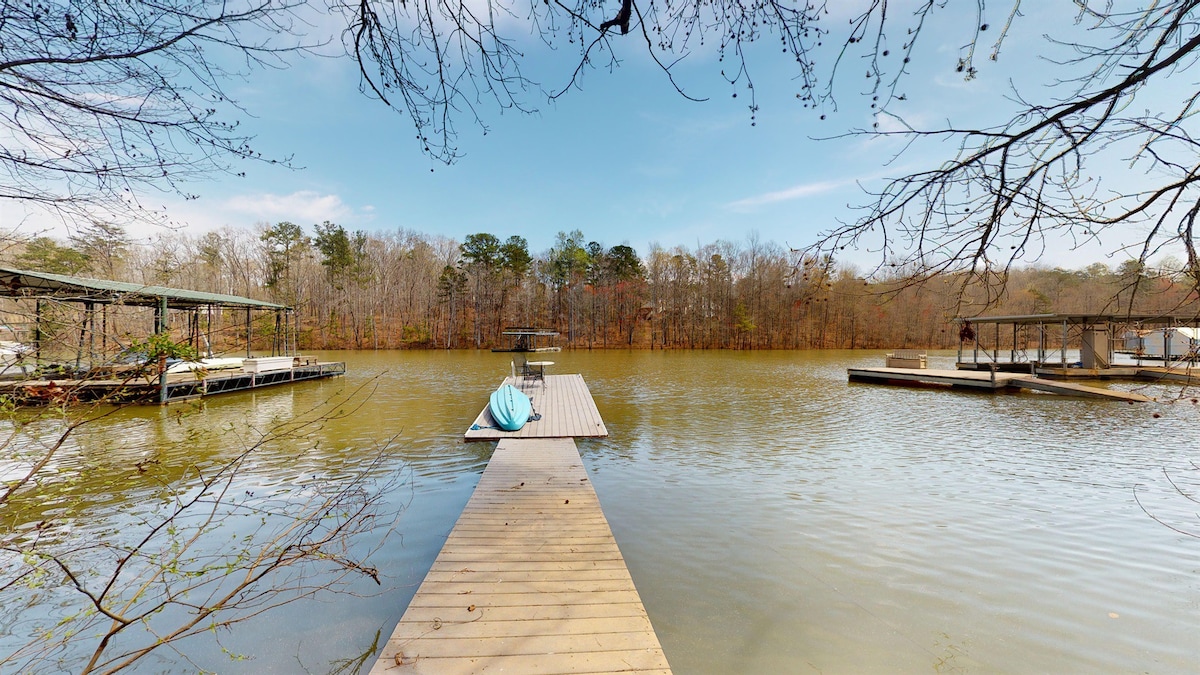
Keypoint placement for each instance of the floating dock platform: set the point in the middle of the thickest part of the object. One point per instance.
(179, 386)
(529, 581)
(564, 403)
(993, 381)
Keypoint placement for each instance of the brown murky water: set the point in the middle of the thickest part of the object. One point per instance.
(774, 517)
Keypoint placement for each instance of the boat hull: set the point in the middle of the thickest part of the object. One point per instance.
(510, 408)
(205, 364)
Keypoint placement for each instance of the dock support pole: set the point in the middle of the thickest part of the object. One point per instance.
(91, 335)
(248, 334)
(161, 320)
(1168, 335)
(1041, 343)
(37, 333)
(1063, 351)
(83, 327)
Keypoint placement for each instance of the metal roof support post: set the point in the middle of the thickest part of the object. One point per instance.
(83, 331)
(996, 347)
(1063, 351)
(1012, 353)
(37, 332)
(161, 316)
(960, 344)
(1112, 343)
(91, 335)
(249, 335)
(194, 328)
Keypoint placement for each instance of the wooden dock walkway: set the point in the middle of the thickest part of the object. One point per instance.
(1076, 389)
(986, 380)
(529, 581)
(564, 403)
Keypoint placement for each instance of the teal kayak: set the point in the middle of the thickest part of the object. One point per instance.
(510, 407)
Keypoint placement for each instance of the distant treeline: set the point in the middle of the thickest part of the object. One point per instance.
(406, 289)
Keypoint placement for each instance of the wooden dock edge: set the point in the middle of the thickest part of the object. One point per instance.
(530, 580)
(564, 406)
(990, 381)
(1165, 375)
(1075, 389)
(179, 386)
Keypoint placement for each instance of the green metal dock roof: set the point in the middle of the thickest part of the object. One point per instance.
(25, 284)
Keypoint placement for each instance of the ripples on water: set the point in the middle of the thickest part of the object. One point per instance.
(776, 518)
(799, 522)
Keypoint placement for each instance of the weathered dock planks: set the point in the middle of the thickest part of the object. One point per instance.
(530, 580)
(564, 403)
(986, 380)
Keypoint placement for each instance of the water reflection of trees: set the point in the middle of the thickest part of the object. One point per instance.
(144, 531)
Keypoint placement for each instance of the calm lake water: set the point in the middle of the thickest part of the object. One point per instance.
(775, 518)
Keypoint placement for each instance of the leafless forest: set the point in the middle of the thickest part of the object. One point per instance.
(406, 289)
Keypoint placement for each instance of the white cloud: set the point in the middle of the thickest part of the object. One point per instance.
(795, 192)
(301, 207)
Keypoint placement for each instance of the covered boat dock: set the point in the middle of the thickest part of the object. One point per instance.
(1043, 351)
(1101, 346)
(78, 332)
(528, 339)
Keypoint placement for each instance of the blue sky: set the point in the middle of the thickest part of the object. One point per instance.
(624, 158)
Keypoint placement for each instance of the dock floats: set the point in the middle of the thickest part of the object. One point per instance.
(178, 386)
(530, 580)
(992, 381)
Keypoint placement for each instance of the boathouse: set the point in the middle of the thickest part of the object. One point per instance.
(78, 330)
(1076, 345)
(1040, 351)
(528, 339)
